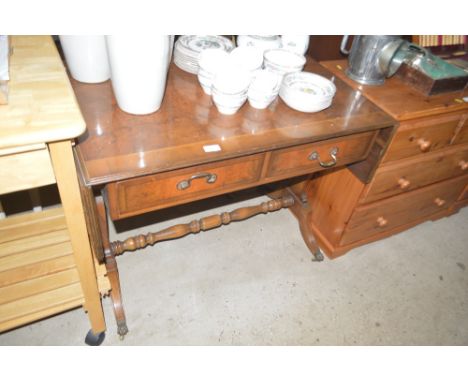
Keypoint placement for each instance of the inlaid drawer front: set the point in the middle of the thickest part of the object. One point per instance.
(25, 170)
(424, 135)
(153, 192)
(317, 156)
(407, 175)
(390, 213)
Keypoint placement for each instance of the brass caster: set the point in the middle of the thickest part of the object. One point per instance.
(317, 256)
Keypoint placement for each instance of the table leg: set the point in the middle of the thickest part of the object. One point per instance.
(301, 210)
(68, 185)
(112, 272)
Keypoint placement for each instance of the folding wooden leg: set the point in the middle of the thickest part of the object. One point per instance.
(112, 272)
(67, 182)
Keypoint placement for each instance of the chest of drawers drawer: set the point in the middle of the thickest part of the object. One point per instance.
(390, 213)
(153, 192)
(426, 135)
(407, 175)
(317, 156)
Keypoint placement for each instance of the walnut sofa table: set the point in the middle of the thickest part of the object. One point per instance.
(187, 151)
(46, 260)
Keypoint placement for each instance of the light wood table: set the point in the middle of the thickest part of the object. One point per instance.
(46, 259)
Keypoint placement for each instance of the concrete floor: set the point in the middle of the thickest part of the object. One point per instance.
(253, 283)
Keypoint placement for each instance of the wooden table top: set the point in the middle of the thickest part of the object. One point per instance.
(118, 145)
(42, 106)
(400, 100)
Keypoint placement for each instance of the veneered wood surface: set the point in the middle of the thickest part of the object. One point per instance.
(401, 101)
(41, 105)
(118, 145)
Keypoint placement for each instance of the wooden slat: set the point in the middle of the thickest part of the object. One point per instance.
(40, 241)
(40, 302)
(34, 256)
(25, 225)
(18, 321)
(31, 271)
(25, 170)
(38, 285)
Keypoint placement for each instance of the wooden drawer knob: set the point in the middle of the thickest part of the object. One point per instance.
(381, 221)
(423, 144)
(440, 202)
(404, 183)
(463, 165)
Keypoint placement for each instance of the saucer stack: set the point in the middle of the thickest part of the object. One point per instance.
(188, 47)
(307, 92)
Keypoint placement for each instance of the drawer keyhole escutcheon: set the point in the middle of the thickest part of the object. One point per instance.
(186, 183)
(440, 202)
(333, 153)
(381, 221)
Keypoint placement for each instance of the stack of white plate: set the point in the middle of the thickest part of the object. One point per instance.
(188, 47)
(307, 92)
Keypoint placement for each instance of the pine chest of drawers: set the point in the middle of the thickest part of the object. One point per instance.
(423, 175)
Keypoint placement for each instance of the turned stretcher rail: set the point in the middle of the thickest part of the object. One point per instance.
(141, 241)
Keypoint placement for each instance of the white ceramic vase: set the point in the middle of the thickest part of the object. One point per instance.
(86, 58)
(139, 66)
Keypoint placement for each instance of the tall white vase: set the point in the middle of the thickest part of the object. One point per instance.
(139, 66)
(86, 58)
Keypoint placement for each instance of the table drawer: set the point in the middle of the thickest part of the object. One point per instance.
(408, 175)
(385, 215)
(300, 159)
(424, 135)
(25, 170)
(153, 192)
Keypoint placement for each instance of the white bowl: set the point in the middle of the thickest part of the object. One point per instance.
(232, 79)
(261, 102)
(211, 60)
(307, 92)
(247, 57)
(282, 58)
(265, 81)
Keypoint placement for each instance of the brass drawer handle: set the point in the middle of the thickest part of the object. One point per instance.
(463, 164)
(424, 144)
(404, 183)
(184, 184)
(381, 221)
(333, 152)
(439, 202)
